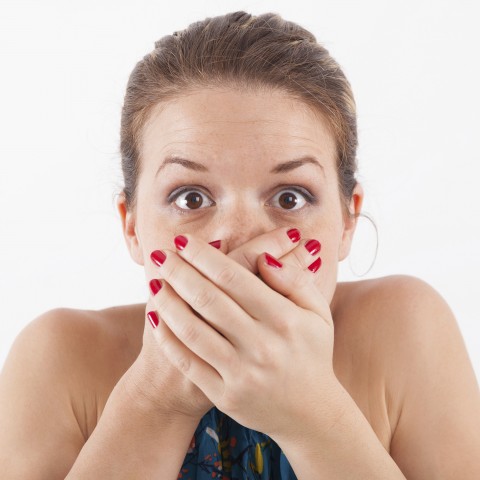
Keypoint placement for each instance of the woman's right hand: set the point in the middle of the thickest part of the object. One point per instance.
(158, 384)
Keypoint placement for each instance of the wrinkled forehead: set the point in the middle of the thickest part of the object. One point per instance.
(221, 125)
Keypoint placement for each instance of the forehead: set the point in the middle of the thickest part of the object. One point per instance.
(217, 123)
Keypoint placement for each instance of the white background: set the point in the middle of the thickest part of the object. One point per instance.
(414, 69)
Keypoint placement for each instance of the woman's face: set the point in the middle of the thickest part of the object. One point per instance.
(228, 165)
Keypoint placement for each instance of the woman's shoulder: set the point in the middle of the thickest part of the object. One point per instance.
(387, 318)
(91, 349)
(109, 340)
(385, 327)
(393, 298)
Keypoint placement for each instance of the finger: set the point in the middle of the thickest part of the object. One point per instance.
(279, 242)
(306, 255)
(216, 307)
(193, 332)
(199, 372)
(295, 284)
(239, 291)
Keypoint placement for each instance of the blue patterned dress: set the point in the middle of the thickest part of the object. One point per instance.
(223, 449)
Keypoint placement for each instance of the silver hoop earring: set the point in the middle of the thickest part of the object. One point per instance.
(362, 241)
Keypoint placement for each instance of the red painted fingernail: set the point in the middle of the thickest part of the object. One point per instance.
(158, 257)
(153, 317)
(180, 242)
(155, 286)
(216, 243)
(315, 265)
(272, 261)
(313, 246)
(294, 235)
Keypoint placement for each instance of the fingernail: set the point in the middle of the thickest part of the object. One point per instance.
(153, 317)
(180, 242)
(294, 235)
(216, 243)
(315, 265)
(313, 246)
(158, 257)
(155, 286)
(272, 261)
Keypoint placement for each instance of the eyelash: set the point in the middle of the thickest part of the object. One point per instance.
(172, 197)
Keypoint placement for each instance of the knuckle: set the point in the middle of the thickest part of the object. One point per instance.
(299, 257)
(282, 243)
(284, 327)
(226, 277)
(161, 300)
(248, 260)
(188, 333)
(265, 356)
(195, 253)
(183, 364)
(202, 299)
(301, 279)
(174, 271)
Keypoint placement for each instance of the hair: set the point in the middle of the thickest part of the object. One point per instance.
(248, 52)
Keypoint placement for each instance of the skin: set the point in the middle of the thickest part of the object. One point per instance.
(390, 344)
(239, 138)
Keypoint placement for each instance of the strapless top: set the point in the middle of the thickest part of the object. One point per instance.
(223, 449)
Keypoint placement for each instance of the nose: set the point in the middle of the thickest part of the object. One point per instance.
(238, 226)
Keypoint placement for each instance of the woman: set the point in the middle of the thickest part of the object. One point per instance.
(249, 360)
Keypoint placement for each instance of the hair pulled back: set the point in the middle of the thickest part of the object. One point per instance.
(247, 52)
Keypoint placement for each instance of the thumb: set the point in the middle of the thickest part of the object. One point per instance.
(294, 283)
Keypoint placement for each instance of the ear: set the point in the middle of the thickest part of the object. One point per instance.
(129, 228)
(350, 223)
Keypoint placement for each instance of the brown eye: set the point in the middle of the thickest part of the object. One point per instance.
(191, 200)
(289, 200)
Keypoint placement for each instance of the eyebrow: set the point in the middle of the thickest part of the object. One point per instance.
(280, 168)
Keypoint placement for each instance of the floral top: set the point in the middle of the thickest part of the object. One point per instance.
(223, 449)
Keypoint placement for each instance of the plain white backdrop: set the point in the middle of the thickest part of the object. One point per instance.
(415, 72)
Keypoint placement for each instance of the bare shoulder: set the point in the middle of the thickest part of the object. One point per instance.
(403, 332)
(384, 307)
(90, 350)
(391, 319)
(108, 342)
(55, 381)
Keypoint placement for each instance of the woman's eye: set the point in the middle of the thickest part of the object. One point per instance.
(192, 200)
(289, 199)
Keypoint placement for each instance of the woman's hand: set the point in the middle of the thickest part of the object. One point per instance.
(263, 357)
(164, 388)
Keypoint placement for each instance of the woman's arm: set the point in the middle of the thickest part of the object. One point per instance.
(40, 435)
(130, 442)
(429, 380)
(438, 431)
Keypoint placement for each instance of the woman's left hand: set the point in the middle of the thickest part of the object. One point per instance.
(263, 356)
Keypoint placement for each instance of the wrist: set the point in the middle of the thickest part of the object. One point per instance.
(135, 390)
(318, 418)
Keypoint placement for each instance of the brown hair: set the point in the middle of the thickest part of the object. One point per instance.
(244, 51)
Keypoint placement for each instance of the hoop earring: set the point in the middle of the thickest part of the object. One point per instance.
(376, 247)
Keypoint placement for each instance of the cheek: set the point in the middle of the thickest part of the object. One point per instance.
(155, 234)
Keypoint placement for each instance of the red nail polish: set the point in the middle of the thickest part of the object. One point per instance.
(153, 317)
(216, 243)
(272, 261)
(315, 265)
(158, 257)
(313, 246)
(155, 286)
(180, 242)
(294, 234)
